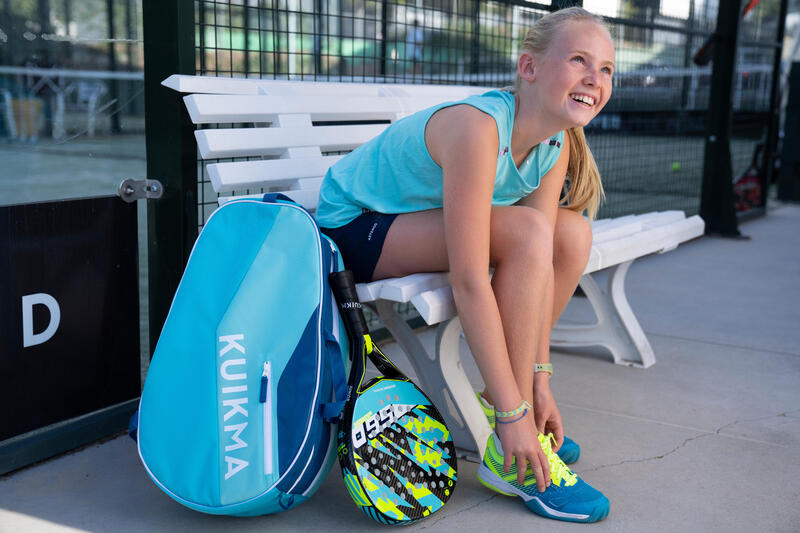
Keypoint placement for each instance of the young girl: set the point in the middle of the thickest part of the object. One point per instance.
(467, 185)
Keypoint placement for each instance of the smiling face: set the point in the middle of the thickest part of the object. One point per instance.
(571, 81)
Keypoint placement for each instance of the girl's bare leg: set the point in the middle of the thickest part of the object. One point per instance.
(572, 244)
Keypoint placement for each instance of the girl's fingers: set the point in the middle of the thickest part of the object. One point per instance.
(559, 435)
(522, 468)
(545, 468)
(507, 459)
(537, 472)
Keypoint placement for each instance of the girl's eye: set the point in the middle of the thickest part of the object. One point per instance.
(607, 70)
(579, 59)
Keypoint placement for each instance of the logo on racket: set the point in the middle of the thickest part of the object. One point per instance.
(369, 429)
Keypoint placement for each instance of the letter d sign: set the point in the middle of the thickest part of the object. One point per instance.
(29, 338)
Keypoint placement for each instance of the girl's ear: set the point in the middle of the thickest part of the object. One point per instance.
(526, 67)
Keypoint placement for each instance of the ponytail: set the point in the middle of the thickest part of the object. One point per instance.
(586, 190)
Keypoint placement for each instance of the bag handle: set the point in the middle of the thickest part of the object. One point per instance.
(332, 410)
(280, 198)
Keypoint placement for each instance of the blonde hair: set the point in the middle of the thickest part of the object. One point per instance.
(586, 190)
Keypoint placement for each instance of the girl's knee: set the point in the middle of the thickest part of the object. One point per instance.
(524, 234)
(572, 239)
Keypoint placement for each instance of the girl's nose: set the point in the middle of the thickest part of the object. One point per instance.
(591, 78)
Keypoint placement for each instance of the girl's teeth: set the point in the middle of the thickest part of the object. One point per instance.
(583, 99)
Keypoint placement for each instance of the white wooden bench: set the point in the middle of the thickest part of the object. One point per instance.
(278, 122)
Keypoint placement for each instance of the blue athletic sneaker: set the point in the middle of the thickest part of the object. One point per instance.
(569, 452)
(568, 497)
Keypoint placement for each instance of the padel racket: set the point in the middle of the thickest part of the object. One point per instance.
(397, 456)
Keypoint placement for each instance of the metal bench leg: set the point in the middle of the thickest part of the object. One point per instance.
(442, 377)
(616, 329)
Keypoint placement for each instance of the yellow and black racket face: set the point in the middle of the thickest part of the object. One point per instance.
(398, 460)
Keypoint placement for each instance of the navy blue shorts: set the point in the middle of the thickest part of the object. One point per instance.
(361, 242)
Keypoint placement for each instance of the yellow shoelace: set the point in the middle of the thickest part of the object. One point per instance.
(558, 470)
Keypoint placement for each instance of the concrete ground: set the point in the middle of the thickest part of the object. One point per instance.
(708, 439)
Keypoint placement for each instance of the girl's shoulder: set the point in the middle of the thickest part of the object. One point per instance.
(459, 121)
(498, 103)
(462, 130)
(488, 111)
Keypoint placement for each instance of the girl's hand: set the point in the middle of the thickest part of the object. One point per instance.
(521, 445)
(548, 419)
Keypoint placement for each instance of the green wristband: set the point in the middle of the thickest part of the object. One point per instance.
(544, 367)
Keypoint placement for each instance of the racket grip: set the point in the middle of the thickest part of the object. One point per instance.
(344, 289)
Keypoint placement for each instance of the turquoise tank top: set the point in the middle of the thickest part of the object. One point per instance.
(395, 173)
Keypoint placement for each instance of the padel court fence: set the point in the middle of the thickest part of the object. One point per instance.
(649, 141)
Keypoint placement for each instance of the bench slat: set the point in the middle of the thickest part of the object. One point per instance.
(403, 289)
(209, 84)
(238, 175)
(659, 218)
(215, 108)
(611, 232)
(653, 240)
(244, 86)
(616, 228)
(609, 223)
(435, 306)
(222, 143)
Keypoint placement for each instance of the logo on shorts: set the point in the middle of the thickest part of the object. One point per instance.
(371, 231)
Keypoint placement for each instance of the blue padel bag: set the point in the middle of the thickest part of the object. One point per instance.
(238, 411)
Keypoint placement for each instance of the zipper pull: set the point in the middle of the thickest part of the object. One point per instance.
(262, 397)
(334, 256)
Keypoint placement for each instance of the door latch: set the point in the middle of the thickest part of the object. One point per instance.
(131, 190)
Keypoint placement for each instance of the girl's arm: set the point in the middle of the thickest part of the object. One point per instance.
(464, 142)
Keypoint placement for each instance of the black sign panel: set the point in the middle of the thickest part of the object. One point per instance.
(69, 311)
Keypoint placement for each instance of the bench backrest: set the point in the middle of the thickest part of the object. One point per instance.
(292, 131)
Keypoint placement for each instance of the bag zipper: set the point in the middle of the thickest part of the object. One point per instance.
(265, 397)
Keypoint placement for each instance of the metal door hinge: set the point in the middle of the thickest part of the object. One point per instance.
(131, 190)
